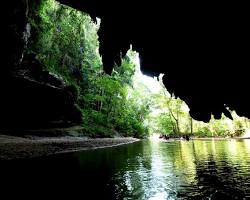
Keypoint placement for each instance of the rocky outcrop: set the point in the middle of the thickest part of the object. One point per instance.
(37, 99)
(30, 96)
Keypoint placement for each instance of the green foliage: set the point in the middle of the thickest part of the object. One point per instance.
(107, 104)
(125, 73)
(66, 43)
(239, 127)
(165, 124)
(174, 120)
(203, 132)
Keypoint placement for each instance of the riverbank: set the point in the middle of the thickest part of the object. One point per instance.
(202, 138)
(13, 147)
(219, 138)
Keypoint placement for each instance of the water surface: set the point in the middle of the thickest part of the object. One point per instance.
(143, 170)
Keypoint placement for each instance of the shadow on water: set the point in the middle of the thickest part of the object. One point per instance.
(81, 175)
(143, 170)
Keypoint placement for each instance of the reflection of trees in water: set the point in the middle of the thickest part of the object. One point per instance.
(220, 170)
(194, 169)
(213, 178)
(104, 170)
(132, 164)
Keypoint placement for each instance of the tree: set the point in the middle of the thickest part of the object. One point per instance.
(66, 43)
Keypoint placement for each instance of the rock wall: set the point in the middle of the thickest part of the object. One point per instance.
(30, 96)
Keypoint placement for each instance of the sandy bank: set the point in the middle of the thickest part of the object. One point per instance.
(12, 147)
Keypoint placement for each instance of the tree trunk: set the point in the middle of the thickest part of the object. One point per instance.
(177, 122)
(191, 125)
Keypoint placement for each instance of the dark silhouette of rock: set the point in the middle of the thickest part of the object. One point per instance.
(30, 96)
(200, 47)
(218, 195)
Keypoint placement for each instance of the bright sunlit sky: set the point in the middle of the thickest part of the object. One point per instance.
(152, 84)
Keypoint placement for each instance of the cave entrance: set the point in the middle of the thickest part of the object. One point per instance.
(169, 116)
(64, 43)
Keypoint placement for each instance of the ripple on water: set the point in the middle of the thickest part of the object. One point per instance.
(190, 170)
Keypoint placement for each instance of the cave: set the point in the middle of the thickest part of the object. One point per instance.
(201, 49)
(200, 52)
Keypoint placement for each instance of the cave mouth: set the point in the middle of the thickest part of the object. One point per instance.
(201, 47)
(169, 116)
(54, 81)
(50, 85)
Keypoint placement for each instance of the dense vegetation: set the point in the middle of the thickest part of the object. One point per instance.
(171, 117)
(65, 42)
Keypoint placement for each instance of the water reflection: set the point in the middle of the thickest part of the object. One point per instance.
(144, 170)
(186, 170)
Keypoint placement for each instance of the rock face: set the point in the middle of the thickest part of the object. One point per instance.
(201, 48)
(30, 96)
(35, 99)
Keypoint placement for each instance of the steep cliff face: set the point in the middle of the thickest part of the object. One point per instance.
(30, 96)
(201, 48)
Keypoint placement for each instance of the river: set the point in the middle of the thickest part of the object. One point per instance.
(149, 169)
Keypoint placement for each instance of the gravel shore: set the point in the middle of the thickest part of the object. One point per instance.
(12, 147)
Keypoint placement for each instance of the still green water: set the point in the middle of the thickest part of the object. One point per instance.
(143, 170)
(173, 170)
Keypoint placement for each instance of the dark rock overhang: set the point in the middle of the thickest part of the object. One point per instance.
(201, 48)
